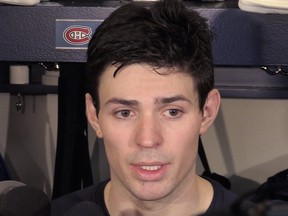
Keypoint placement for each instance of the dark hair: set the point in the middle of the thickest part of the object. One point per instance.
(166, 34)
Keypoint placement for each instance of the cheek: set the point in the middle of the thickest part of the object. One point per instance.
(109, 129)
(116, 133)
(115, 141)
(185, 139)
(188, 131)
(114, 152)
(187, 145)
(187, 155)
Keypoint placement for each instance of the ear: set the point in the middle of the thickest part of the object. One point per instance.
(92, 117)
(210, 110)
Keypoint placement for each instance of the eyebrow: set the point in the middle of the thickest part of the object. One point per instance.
(167, 100)
(122, 101)
(160, 100)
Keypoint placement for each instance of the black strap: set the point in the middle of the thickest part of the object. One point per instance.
(207, 172)
(203, 158)
(72, 165)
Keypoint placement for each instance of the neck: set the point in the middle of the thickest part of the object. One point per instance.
(191, 201)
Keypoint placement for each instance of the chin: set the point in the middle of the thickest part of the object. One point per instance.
(150, 194)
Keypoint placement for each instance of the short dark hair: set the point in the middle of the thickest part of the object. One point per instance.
(166, 34)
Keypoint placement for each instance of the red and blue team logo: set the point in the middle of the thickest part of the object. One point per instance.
(77, 35)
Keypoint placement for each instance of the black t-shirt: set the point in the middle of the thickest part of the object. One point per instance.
(222, 198)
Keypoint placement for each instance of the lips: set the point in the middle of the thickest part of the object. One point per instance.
(150, 172)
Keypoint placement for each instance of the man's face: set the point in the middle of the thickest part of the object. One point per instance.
(150, 125)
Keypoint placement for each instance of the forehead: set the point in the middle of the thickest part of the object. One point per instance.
(142, 80)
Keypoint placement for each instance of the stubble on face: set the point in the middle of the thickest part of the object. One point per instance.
(173, 141)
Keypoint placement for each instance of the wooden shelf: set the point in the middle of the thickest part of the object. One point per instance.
(33, 89)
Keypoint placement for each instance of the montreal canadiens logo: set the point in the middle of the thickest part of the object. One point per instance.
(77, 35)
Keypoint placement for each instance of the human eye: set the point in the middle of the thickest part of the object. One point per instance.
(173, 113)
(125, 113)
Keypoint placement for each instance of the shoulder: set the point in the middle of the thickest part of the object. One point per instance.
(94, 193)
(222, 198)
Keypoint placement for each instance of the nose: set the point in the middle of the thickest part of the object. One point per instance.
(148, 132)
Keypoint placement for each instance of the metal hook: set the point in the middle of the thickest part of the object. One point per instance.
(277, 70)
(20, 105)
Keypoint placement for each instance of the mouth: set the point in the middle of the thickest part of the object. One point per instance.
(150, 172)
(151, 168)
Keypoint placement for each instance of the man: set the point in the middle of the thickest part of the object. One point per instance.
(150, 83)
